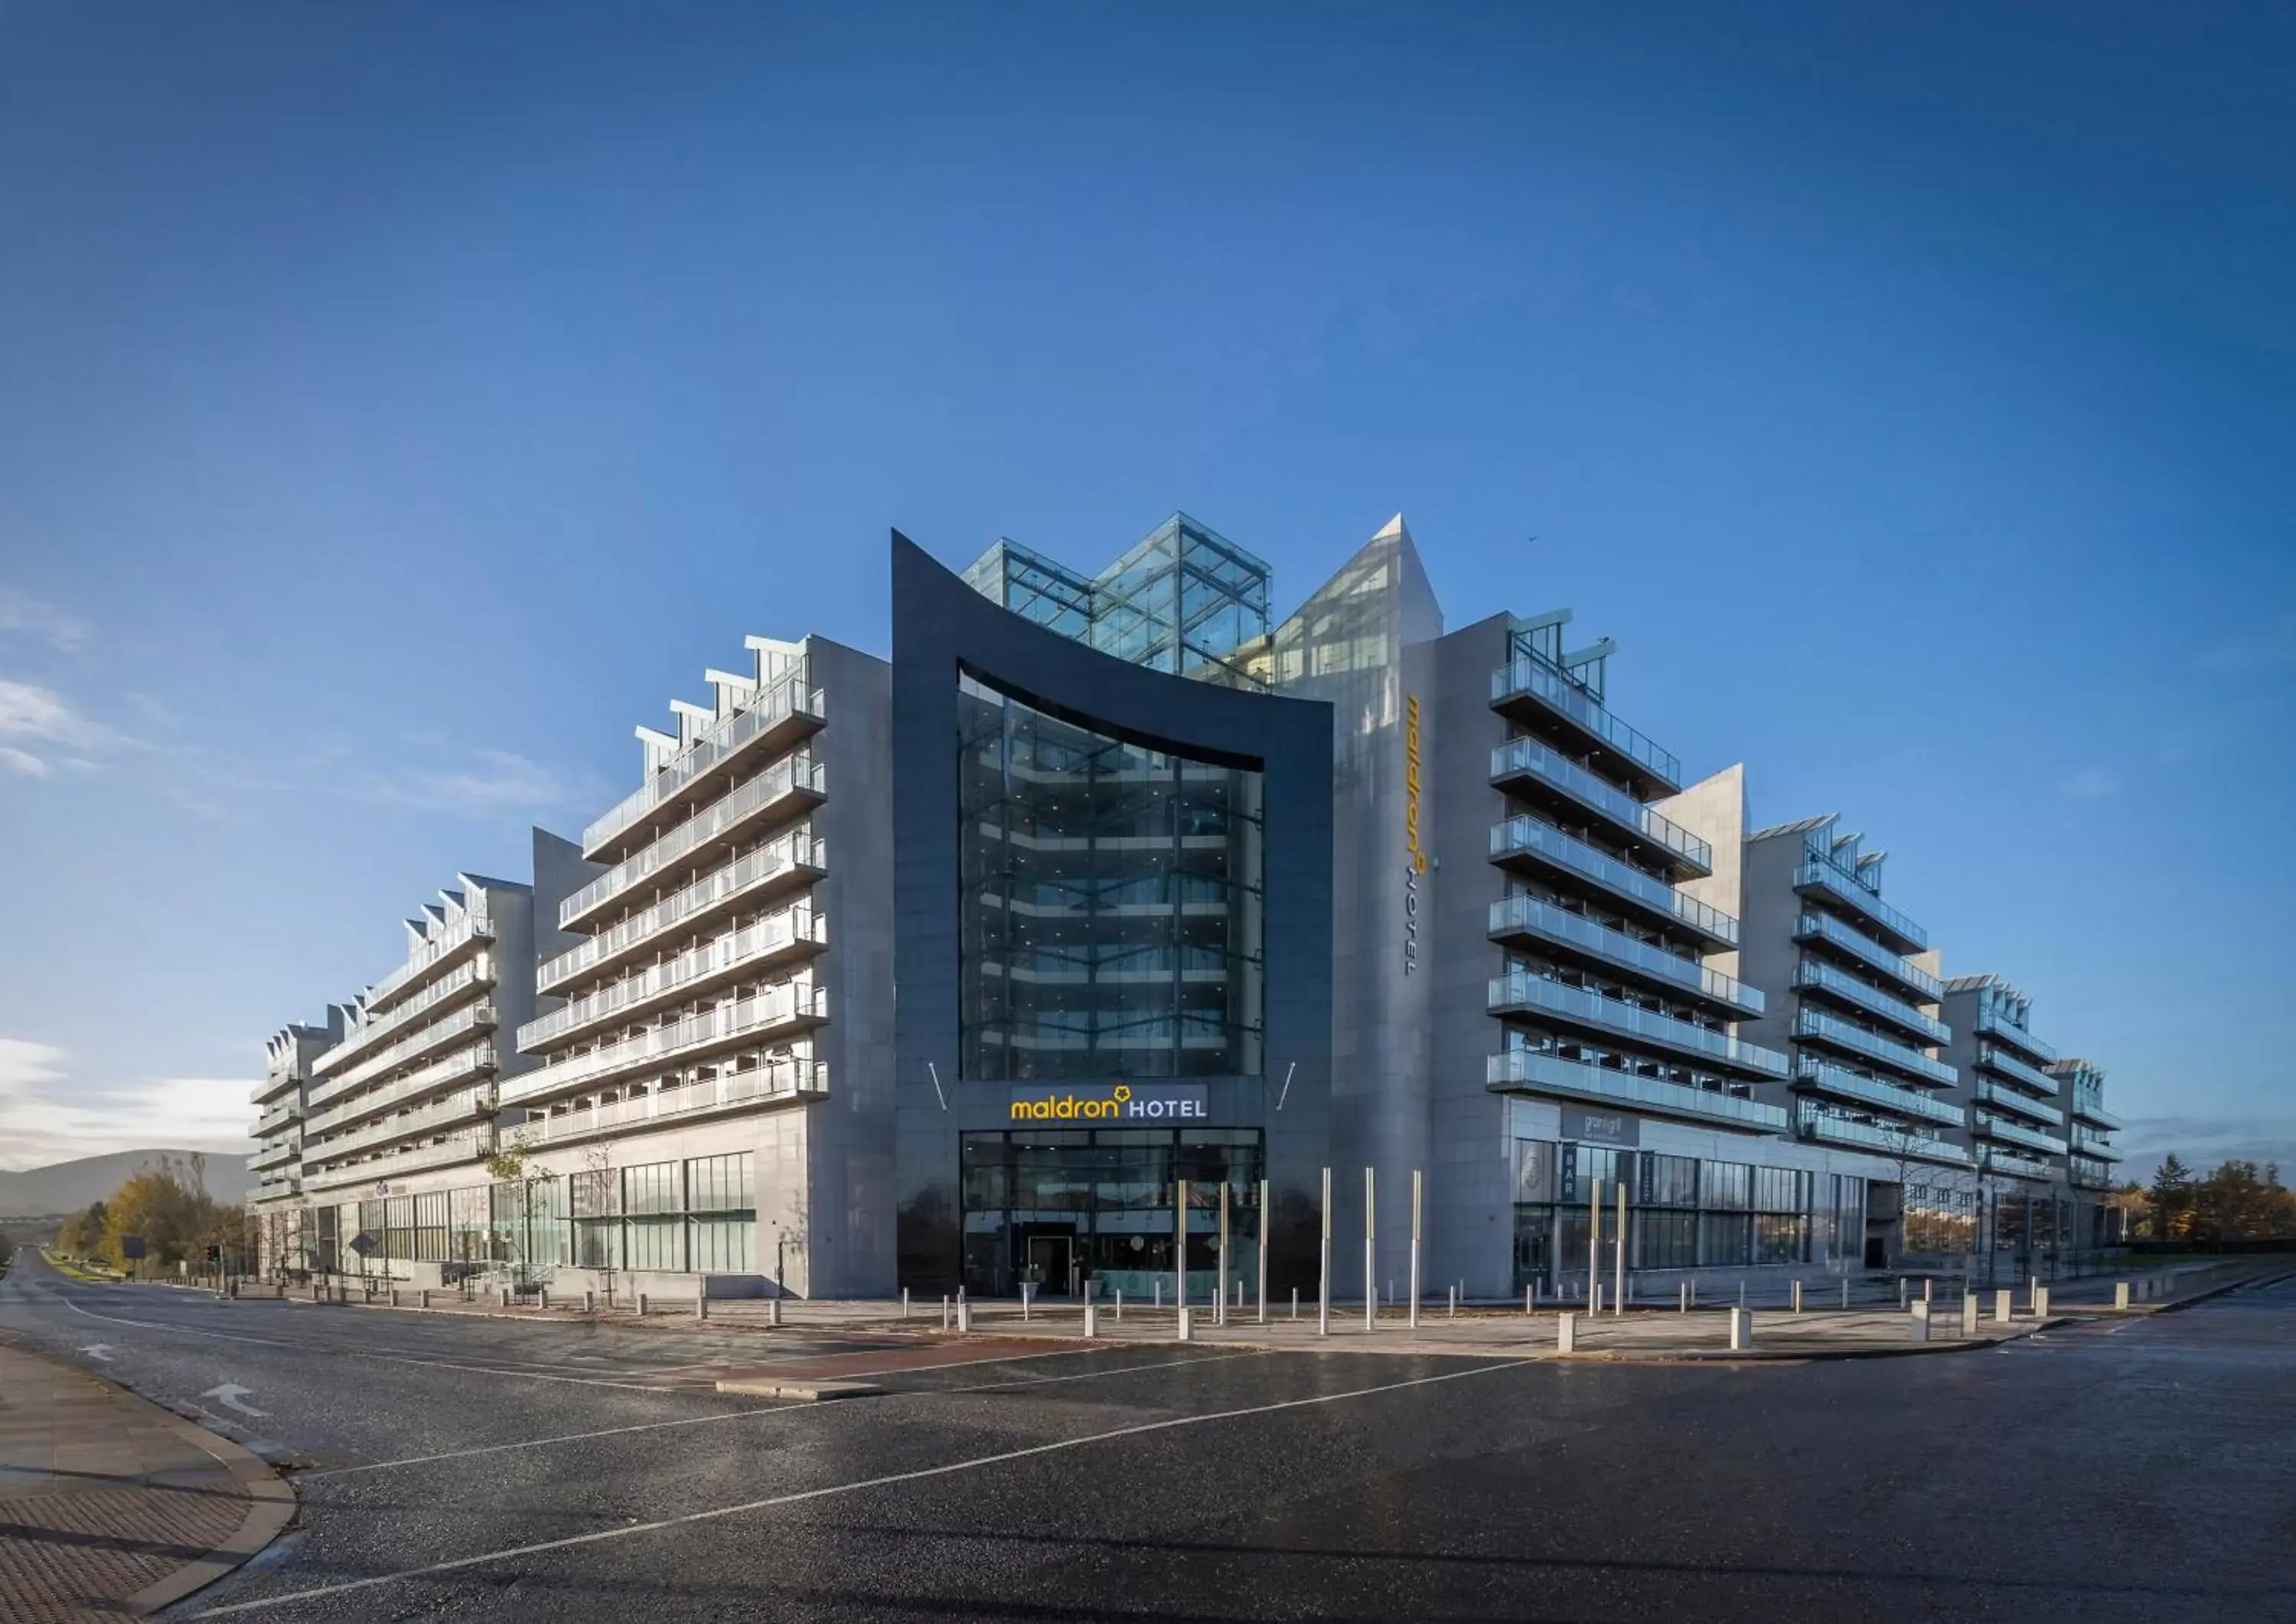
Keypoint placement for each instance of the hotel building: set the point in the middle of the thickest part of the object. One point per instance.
(2016, 1132)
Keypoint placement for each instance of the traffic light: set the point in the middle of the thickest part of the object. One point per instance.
(215, 1254)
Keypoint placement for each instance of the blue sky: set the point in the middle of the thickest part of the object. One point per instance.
(398, 403)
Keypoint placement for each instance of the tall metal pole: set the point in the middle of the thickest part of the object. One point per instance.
(1180, 1248)
(1594, 1244)
(1618, 1290)
(1219, 1316)
(1324, 1284)
(1263, 1251)
(1371, 1252)
(1414, 1248)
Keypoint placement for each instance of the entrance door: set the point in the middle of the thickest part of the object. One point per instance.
(1052, 1260)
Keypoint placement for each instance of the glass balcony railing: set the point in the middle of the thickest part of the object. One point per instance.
(1993, 1127)
(748, 950)
(458, 1108)
(1528, 757)
(441, 948)
(1535, 917)
(760, 872)
(2089, 1108)
(1535, 679)
(1816, 1122)
(276, 1155)
(1531, 837)
(777, 1010)
(414, 1046)
(794, 776)
(1995, 1058)
(1811, 1023)
(1524, 1071)
(1999, 1026)
(1815, 974)
(1837, 882)
(776, 1079)
(366, 1033)
(2091, 1142)
(1818, 1078)
(1520, 991)
(352, 1104)
(2019, 1104)
(462, 1148)
(788, 699)
(1994, 1159)
(1826, 927)
(2090, 1173)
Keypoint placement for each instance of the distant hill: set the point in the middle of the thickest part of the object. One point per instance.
(64, 1187)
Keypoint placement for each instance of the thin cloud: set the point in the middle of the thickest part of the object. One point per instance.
(25, 616)
(30, 711)
(23, 763)
(492, 781)
(2091, 783)
(47, 1115)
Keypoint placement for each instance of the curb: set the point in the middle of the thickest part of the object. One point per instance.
(271, 1502)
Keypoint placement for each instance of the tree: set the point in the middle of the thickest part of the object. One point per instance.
(513, 1163)
(2171, 1199)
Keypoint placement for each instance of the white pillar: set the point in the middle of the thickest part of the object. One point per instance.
(1416, 1190)
(1263, 1259)
(1797, 1296)
(1091, 1318)
(1742, 1330)
(2001, 1305)
(1566, 1333)
(1919, 1315)
(1187, 1324)
(1220, 1296)
(1371, 1251)
(1969, 1314)
(1323, 1285)
(2120, 1296)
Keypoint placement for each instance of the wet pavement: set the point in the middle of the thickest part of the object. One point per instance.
(478, 1468)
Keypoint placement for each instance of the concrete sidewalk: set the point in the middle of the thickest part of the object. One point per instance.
(110, 1505)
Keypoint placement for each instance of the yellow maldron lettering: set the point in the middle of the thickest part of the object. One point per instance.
(1068, 1108)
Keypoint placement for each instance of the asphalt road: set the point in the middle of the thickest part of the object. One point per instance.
(462, 1468)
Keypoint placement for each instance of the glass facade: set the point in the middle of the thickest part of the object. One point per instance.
(1110, 903)
(1059, 1208)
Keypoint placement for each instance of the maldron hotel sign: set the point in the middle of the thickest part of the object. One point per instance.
(1112, 1102)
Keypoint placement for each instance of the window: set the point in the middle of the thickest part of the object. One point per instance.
(1670, 1181)
(1728, 1186)
(719, 1183)
(653, 1242)
(652, 1189)
(724, 1245)
(1668, 1239)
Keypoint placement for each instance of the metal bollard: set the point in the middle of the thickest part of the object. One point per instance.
(1742, 1330)
(2001, 1305)
(905, 1302)
(774, 1307)
(964, 1316)
(1925, 1290)
(1566, 1333)
(426, 1296)
(1026, 1291)
(1919, 1316)
(702, 1300)
(1901, 1293)
(1741, 1291)
(1969, 1314)
(1091, 1318)
(1845, 1290)
(1159, 1295)
(1455, 1302)
(1527, 1291)
(642, 1305)
(394, 1297)
(1187, 1324)
(1683, 1293)
(1295, 1302)
(1119, 1305)
(2120, 1296)
(944, 1311)
(1595, 1305)
(1797, 1296)
(590, 1301)
(543, 1297)
(505, 1301)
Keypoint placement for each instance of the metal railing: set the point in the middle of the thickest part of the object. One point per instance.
(791, 776)
(1999, 1059)
(784, 854)
(2009, 1099)
(1817, 1075)
(1993, 1159)
(1535, 836)
(2032, 1139)
(1841, 882)
(1812, 1024)
(454, 1109)
(378, 1168)
(1869, 951)
(1994, 1022)
(664, 981)
(776, 1079)
(452, 938)
(1817, 1123)
(2089, 1109)
(786, 1006)
(1809, 972)
(1524, 675)
(438, 1033)
(1524, 1070)
(373, 1030)
(1520, 990)
(1535, 916)
(1519, 757)
(430, 1079)
(716, 745)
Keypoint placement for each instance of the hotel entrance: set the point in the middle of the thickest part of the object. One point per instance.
(1060, 1207)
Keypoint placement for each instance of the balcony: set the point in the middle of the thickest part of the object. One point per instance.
(1820, 877)
(778, 1081)
(1527, 685)
(1992, 1020)
(2088, 1142)
(423, 1044)
(780, 865)
(2090, 1174)
(789, 935)
(1520, 994)
(467, 1106)
(792, 784)
(441, 1073)
(1819, 1028)
(2087, 1110)
(373, 1029)
(1995, 1059)
(787, 712)
(441, 950)
(279, 1187)
(778, 1011)
(1993, 1159)
(1523, 1071)
(1816, 1076)
(1991, 1127)
(380, 1170)
(1533, 919)
(1816, 975)
(1814, 1121)
(273, 1085)
(1528, 768)
(1870, 953)
(276, 1119)
(276, 1155)
(1543, 846)
(2019, 1104)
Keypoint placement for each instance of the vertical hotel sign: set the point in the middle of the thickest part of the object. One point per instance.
(1417, 864)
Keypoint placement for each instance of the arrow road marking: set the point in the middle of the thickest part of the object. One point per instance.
(229, 1394)
(100, 1350)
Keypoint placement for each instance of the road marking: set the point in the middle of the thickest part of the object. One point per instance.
(802, 1494)
(229, 1396)
(763, 1409)
(98, 1350)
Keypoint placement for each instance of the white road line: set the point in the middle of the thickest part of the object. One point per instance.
(887, 1481)
(763, 1409)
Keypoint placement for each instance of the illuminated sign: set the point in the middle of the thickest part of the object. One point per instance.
(1418, 862)
(1112, 1102)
